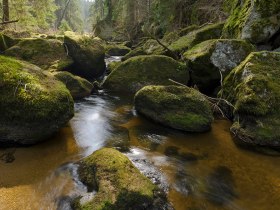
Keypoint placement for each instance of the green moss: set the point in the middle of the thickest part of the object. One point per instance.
(31, 98)
(174, 106)
(135, 52)
(78, 87)
(209, 58)
(118, 183)
(212, 31)
(256, 20)
(253, 87)
(88, 55)
(112, 66)
(116, 50)
(6, 42)
(188, 29)
(41, 52)
(137, 72)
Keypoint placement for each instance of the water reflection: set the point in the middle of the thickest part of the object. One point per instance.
(199, 171)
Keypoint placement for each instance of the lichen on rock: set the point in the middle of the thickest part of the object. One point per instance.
(254, 20)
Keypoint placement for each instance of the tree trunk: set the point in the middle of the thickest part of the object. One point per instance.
(63, 14)
(6, 12)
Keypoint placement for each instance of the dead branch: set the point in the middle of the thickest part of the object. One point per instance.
(8, 22)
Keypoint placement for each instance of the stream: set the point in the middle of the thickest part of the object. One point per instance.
(198, 171)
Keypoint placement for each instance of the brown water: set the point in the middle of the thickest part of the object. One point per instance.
(199, 171)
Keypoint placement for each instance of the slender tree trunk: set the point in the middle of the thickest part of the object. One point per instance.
(6, 12)
(63, 14)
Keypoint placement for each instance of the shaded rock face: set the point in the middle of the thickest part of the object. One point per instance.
(6, 42)
(45, 53)
(117, 50)
(213, 31)
(253, 88)
(33, 104)
(78, 87)
(178, 107)
(209, 59)
(256, 21)
(137, 72)
(119, 184)
(88, 56)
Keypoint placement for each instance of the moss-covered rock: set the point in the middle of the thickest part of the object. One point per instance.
(118, 183)
(213, 31)
(33, 104)
(41, 52)
(137, 72)
(212, 57)
(254, 89)
(256, 20)
(6, 42)
(135, 52)
(78, 87)
(112, 66)
(178, 107)
(88, 55)
(117, 50)
(188, 29)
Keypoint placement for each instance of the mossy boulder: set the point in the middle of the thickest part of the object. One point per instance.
(257, 20)
(188, 29)
(112, 66)
(212, 31)
(137, 72)
(88, 55)
(78, 87)
(6, 42)
(210, 58)
(254, 89)
(118, 183)
(135, 52)
(177, 107)
(33, 104)
(117, 50)
(41, 52)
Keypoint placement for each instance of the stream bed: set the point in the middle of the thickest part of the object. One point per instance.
(198, 171)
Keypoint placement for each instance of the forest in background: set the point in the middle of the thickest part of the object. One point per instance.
(121, 19)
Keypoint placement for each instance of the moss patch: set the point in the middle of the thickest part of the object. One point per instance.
(253, 87)
(137, 72)
(118, 183)
(177, 107)
(78, 87)
(41, 52)
(33, 104)
(116, 50)
(256, 20)
(212, 31)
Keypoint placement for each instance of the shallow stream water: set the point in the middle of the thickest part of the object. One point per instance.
(198, 171)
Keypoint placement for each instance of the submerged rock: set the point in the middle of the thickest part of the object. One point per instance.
(186, 42)
(33, 104)
(41, 52)
(209, 59)
(135, 73)
(119, 184)
(257, 21)
(88, 55)
(178, 107)
(78, 87)
(254, 89)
